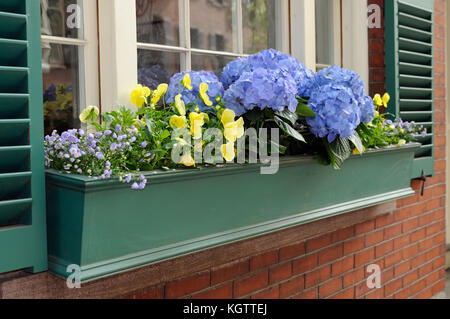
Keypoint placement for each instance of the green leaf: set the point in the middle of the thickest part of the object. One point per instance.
(356, 140)
(289, 129)
(339, 150)
(305, 110)
(287, 115)
(165, 134)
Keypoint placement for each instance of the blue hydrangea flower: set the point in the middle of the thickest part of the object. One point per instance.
(215, 88)
(275, 89)
(270, 60)
(337, 111)
(347, 78)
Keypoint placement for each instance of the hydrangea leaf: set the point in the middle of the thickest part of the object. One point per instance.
(289, 129)
(288, 115)
(339, 151)
(305, 110)
(356, 140)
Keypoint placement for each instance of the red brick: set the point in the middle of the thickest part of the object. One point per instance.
(402, 268)
(417, 287)
(222, 292)
(343, 234)
(425, 270)
(364, 227)
(353, 277)
(392, 259)
(292, 251)
(433, 229)
(437, 288)
(280, 272)
(342, 266)
(401, 242)
(410, 251)
(182, 287)
(417, 209)
(439, 262)
(403, 294)
(410, 224)
(304, 264)
(375, 294)
(426, 244)
(292, 287)
(309, 294)
(251, 283)
(384, 249)
(329, 254)
(345, 294)
(426, 294)
(330, 287)
(411, 277)
(392, 287)
(229, 272)
(318, 243)
(150, 293)
(353, 245)
(418, 235)
(393, 231)
(317, 276)
(264, 260)
(384, 220)
(432, 278)
(364, 257)
(361, 289)
(374, 238)
(271, 293)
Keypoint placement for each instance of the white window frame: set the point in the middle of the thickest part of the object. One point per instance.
(87, 56)
(355, 50)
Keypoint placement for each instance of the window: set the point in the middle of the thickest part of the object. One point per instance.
(328, 33)
(66, 61)
(177, 35)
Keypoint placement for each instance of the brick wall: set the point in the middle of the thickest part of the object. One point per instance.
(377, 62)
(324, 259)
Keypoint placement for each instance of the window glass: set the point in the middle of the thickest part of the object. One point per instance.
(326, 23)
(158, 22)
(155, 67)
(214, 63)
(258, 25)
(61, 65)
(212, 25)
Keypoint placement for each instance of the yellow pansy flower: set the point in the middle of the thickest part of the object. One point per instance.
(356, 151)
(240, 127)
(234, 130)
(227, 116)
(139, 122)
(401, 142)
(205, 116)
(139, 95)
(181, 141)
(177, 121)
(197, 121)
(187, 160)
(159, 92)
(89, 114)
(187, 81)
(377, 100)
(228, 151)
(203, 89)
(386, 98)
(179, 105)
(377, 114)
(199, 145)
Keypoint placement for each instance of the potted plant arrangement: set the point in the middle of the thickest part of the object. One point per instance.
(204, 162)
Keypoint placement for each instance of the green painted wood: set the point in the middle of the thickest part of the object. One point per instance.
(108, 228)
(410, 71)
(23, 242)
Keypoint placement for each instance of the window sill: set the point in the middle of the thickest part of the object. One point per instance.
(108, 228)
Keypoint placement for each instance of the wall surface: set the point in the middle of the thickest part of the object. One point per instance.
(324, 259)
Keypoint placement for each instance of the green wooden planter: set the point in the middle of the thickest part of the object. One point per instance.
(106, 228)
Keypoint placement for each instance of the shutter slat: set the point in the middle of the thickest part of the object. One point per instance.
(409, 71)
(13, 53)
(415, 69)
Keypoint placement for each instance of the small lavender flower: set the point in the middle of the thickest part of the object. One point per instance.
(107, 132)
(118, 128)
(144, 144)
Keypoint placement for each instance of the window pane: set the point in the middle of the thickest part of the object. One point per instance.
(259, 25)
(210, 62)
(158, 22)
(155, 67)
(212, 25)
(325, 32)
(61, 18)
(61, 80)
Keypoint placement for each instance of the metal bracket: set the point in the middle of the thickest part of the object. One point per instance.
(423, 178)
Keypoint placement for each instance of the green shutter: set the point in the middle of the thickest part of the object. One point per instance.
(22, 183)
(409, 35)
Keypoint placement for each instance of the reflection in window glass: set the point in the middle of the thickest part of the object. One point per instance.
(258, 25)
(158, 22)
(61, 87)
(212, 25)
(213, 63)
(61, 18)
(155, 67)
(324, 32)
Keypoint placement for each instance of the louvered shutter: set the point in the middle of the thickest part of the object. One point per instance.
(409, 71)
(22, 182)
